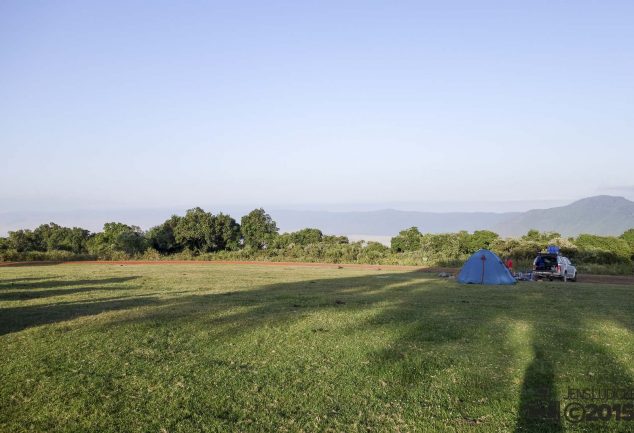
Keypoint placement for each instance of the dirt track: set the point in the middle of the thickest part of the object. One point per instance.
(601, 279)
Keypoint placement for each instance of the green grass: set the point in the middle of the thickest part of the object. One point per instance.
(203, 347)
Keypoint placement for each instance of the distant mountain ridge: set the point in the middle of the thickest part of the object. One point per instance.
(602, 215)
(387, 222)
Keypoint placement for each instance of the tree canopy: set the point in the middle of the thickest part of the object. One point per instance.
(258, 229)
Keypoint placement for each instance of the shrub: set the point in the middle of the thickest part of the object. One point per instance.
(603, 249)
(11, 255)
(407, 240)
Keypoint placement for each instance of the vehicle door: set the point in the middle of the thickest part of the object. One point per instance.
(567, 266)
(572, 268)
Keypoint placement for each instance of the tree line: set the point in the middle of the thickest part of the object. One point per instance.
(197, 231)
(202, 235)
(584, 248)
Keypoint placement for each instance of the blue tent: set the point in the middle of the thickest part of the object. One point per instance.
(484, 267)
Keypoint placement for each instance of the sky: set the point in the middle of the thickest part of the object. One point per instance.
(139, 104)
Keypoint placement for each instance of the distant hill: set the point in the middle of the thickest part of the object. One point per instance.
(386, 222)
(604, 215)
(601, 215)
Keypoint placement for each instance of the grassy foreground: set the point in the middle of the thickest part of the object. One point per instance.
(204, 347)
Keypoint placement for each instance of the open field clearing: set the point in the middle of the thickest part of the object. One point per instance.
(220, 347)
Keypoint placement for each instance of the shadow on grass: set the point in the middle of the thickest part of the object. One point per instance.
(15, 319)
(19, 318)
(453, 332)
(442, 331)
(441, 328)
(539, 409)
(15, 280)
(43, 283)
(24, 295)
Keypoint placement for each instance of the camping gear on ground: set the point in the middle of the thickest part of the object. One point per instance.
(524, 276)
(484, 267)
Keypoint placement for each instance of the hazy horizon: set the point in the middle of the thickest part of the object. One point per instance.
(292, 217)
(421, 205)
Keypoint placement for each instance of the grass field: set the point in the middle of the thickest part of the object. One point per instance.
(204, 347)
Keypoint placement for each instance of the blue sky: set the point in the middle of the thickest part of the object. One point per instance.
(176, 104)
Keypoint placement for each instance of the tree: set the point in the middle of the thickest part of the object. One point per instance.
(481, 239)
(628, 237)
(441, 246)
(118, 238)
(335, 240)
(258, 229)
(76, 240)
(25, 240)
(195, 231)
(307, 236)
(536, 236)
(57, 238)
(203, 232)
(303, 237)
(226, 233)
(162, 237)
(407, 240)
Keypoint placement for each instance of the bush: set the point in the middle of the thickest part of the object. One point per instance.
(150, 254)
(301, 237)
(603, 249)
(11, 255)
